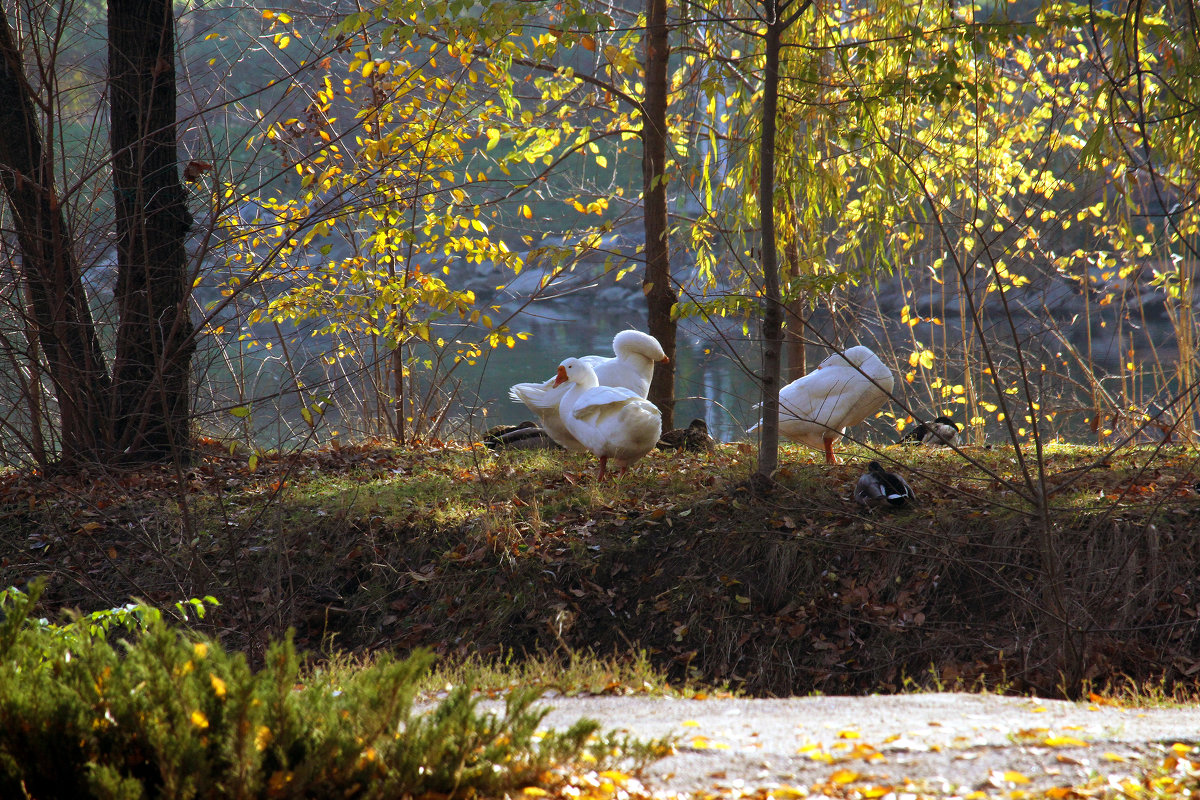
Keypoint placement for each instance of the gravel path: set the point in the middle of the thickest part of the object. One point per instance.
(941, 743)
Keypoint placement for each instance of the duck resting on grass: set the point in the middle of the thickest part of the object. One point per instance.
(611, 421)
(942, 432)
(631, 368)
(523, 436)
(842, 391)
(877, 486)
(693, 437)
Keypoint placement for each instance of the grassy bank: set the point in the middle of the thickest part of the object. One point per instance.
(476, 554)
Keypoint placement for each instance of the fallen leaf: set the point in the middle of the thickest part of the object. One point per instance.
(843, 776)
(1064, 741)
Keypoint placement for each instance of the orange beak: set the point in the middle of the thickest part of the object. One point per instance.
(665, 360)
(561, 376)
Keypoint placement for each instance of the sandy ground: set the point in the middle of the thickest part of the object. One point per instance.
(938, 743)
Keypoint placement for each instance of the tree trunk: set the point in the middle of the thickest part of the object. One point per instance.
(772, 324)
(660, 293)
(58, 304)
(797, 363)
(151, 375)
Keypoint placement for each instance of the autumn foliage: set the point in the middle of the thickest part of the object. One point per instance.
(122, 705)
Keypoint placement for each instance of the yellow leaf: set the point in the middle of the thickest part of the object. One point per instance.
(1063, 741)
(849, 734)
(1012, 776)
(199, 720)
(690, 723)
(262, 738)
(268, 14)
(526, 212)
(602, 161)
(217, 684)
(534, 791)
(843, 776)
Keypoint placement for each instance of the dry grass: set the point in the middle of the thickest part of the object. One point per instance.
(524, 554)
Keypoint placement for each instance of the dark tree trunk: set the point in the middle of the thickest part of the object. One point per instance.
(57, 301)
(772, 324)
(151, 374)
(660, 293)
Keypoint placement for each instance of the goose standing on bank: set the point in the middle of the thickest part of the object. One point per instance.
(878, 486)
(632, 368)
(611, 421)
(842, 391)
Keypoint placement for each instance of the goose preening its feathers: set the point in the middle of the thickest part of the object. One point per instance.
(943, 431)
(843, 390)
(878, 486)
(631, 368)
(611, 421)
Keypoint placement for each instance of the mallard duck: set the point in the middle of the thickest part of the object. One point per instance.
(693, 437)
(942, 431)
(878, 486)
(843, 390)
(523, 436)
(611, 421)
(632, 368)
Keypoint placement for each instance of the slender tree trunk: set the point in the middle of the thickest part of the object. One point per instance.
(660, 293)
(151, 375)
(58, 305)
(772, 323)
(797, 364)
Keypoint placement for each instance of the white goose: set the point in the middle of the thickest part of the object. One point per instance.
(611, 421)
(632, 368)
(842, 391)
